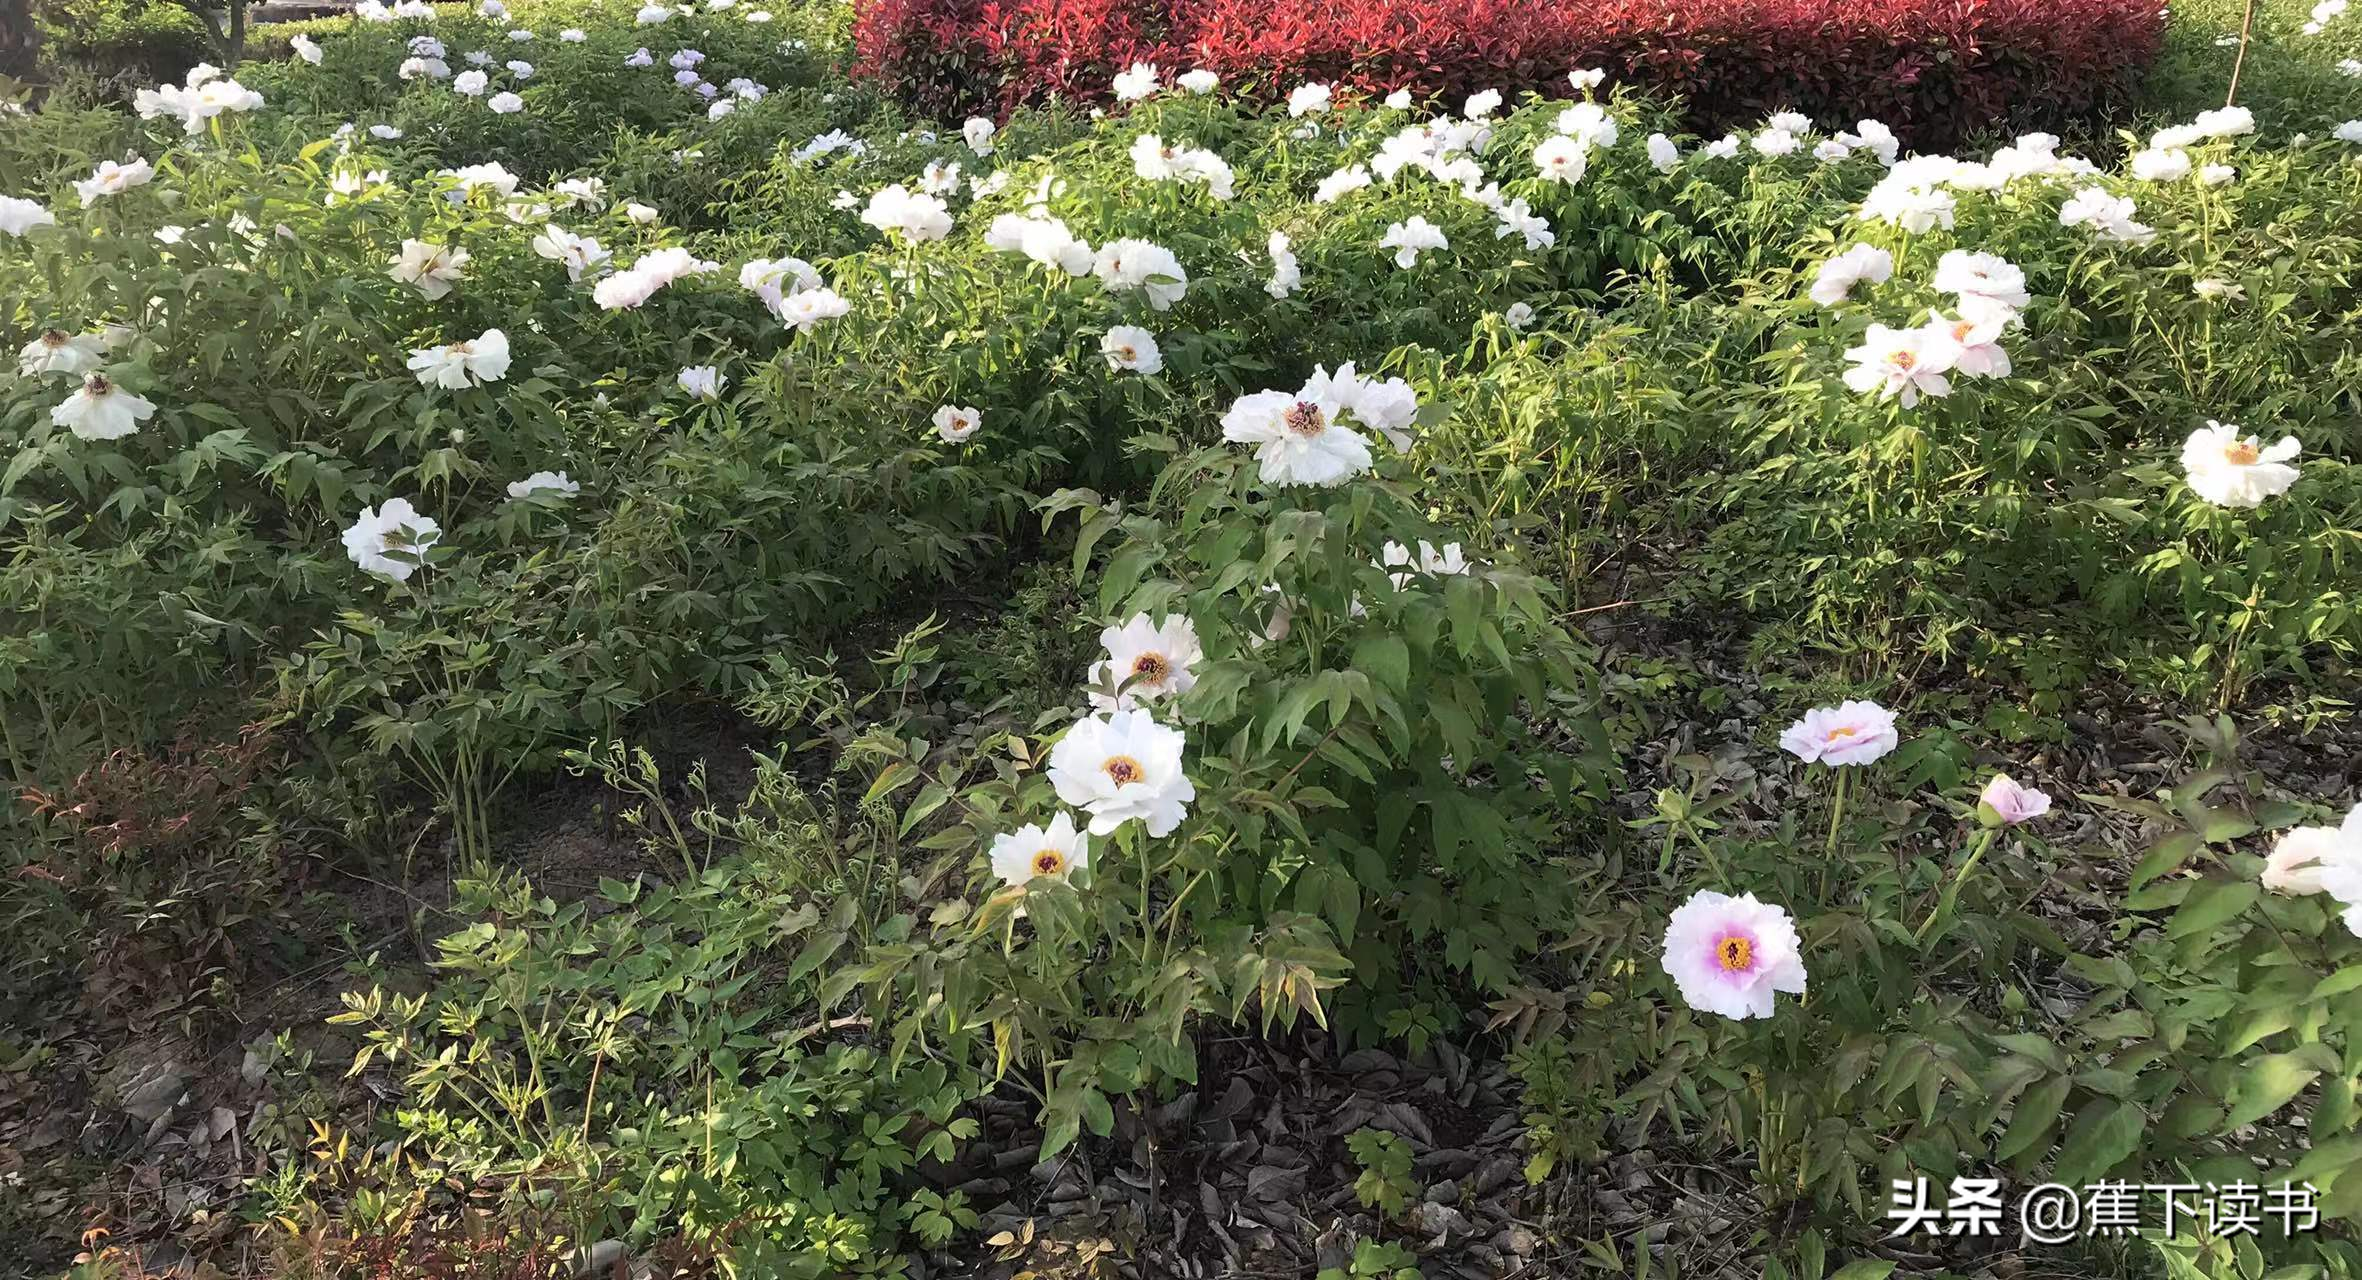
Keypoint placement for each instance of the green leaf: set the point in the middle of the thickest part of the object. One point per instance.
(1866, 1269)
(2265, 1085)
(2036, 1112)
(1385, 659)
(2209, 904)
(2102, 1135)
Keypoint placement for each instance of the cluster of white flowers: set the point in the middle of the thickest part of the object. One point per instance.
(918, 218)
(205, 94)
(1159, 161)
(653, 271)
(1118, 765)
(1906, 364)
(2167, 157)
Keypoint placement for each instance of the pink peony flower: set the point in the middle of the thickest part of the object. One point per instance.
(1729, 955)
(2005, 803)
(1848, 733)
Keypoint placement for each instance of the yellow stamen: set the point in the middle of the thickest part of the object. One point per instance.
(1735, 954)
(1124, 769)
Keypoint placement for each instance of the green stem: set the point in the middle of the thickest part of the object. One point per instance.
(1950, 896)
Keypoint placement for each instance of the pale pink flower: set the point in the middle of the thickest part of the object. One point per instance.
(1851, 732)
(1729, 955)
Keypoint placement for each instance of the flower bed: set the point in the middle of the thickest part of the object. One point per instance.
(1934, 69)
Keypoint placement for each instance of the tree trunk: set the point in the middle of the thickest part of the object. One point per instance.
(19, 42)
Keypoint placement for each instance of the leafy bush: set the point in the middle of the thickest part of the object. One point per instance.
(1936, 72)
(663, 1055)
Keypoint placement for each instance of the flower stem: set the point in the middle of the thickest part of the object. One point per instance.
(1951, 894)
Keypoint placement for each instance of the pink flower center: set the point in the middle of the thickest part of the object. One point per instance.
(1123, 770)
(1304, 418)
(97, 386)
(1151, 668)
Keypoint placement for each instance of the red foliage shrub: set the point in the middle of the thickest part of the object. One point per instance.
(1935, 70)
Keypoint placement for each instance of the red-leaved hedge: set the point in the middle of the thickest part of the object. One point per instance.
(1936, 70)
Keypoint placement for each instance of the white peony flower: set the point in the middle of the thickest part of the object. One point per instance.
(1120, 766)
(977, 133)
(1835, 280)
(1411, 238)
(1145, 662)
(1430, 560)
(470, 179)
(1907, 200)
(391, 539)
(1052, 852)
(113, 179)
(1562, 159)
(2229, 470)
(1308, 99)
(805, 309)
(1286, 275)
(955, 423)
(1981, 275)
(1200, 81)
(56, 351)
(1343, 182)
(19, 216)
(454, 365)
(1902, 364)
(1388, 407)
(552, 482)
(2306, 858)
(2111, 216)
(654, 270)
(1972, 343)
(1135, 82)
(1663, 155)
(1140, 264)
(1298, 438)
(581, 255)
(1130, 348)
(1589, 123)
(100, 410)
(1041, 239)
(704, 381)
(2161, 166)
(430, 268)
